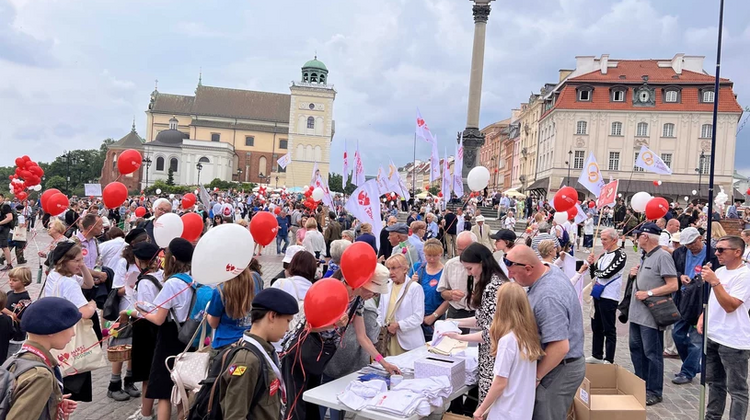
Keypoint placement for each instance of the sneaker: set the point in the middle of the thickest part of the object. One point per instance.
(131, 390)
(594, 360)
(138, 416)
(118, 395)
(607, 362)
(681, 380)
(652, 399)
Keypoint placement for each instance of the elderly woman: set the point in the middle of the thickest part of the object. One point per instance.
(418, 229)
(401, 309)
(337, 249)
(348, 235)
(432, 226)
(548, 251)
(314, 242)
(56, 229)
(368, 237)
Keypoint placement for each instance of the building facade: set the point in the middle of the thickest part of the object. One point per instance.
(490, 153)
(613, 107)
(109, 171)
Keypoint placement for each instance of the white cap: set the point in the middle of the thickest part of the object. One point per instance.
(291, 251)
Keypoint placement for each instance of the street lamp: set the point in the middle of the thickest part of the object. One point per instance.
(570, 157)
(262, 177)
(148, 162)
(239, 175)
(80, 170)
(199, 167)
(67, 178)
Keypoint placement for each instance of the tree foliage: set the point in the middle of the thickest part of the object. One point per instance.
(335, 180)
(170, 177)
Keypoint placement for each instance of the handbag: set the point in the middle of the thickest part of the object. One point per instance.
(384, 337)
(189, 368)
(662, 308)
(597, 289)
(83, 353)
(19, 234)
(111, 309)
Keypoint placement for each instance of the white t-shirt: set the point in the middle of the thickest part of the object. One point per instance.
(170, 298)
(296, 286)
(111, 252)
(68, 288)
(517, 400)
(731, 329)
(665, 239)
(126, 276)
(588, 227)
(146, 291)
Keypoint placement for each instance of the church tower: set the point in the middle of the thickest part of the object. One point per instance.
(311, 125)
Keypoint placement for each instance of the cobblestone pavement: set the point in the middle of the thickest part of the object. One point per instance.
(680, 402)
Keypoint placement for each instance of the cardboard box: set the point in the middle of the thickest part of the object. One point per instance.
(610, 392)
(433, 365)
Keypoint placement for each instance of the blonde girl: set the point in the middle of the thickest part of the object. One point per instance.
(516, 347)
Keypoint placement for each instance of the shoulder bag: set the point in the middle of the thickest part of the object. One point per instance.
(189, 368)
(384, 337)
(662, 308)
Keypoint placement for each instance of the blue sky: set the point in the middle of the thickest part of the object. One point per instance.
(74, 73)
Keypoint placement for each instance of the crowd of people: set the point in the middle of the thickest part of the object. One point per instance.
(508, 292)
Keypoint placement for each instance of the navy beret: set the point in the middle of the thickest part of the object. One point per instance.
(60, 250)
(275, 300)
(145, 251)
(181, 249)
(133, 234)
(49, 315)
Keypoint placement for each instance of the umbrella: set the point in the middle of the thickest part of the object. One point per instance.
(514, 193)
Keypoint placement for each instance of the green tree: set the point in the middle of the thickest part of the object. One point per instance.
(55, 182)
(334, 182)
(434, 190)
(170, 177)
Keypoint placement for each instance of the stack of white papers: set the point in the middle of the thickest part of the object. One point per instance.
(400, 403)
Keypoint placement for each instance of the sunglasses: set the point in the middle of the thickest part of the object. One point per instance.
(720, 250)
(509, 263)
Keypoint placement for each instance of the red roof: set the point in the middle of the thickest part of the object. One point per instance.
(634, 69)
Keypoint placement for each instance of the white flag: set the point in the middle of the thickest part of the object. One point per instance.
(397, 184)
(447, 181)
(345, 175)
(315, 173)
(649, 161)
(359, 169)
(434, 162)
(321, 183)
(458, 168)
(285, 160)
(382, 180)
(364, 204)
(591, 176)
(581, 216)
(423, 132)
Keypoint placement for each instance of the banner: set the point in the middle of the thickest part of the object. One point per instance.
(447, 181)
(397, 184)
(608, 194)
(315, 173)
(364, 204)
(434, 162)
(383, 185)
(458, 168)
(204, 196)
(359, 169)
(423, 132)
(285, 160)
(581, 216)
(319, 182)
(92, 190)
(591, 176)
(651, 162)
(345, 175)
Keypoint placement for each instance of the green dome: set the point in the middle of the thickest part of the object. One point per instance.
(315, 64)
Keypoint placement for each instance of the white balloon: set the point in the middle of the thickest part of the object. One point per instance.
(222, 254)
(639, 201)
(37, 187)
(391, 203)
(171, 196)
(694, 192)
(158, 191)
(166, 228)
(478, 178)
(318, 194)
(687, 199)
(560, 217)
(305, 188)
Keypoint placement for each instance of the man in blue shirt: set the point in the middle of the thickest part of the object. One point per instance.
(282, 235)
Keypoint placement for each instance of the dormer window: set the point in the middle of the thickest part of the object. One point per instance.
(617, 94)
(584, 93)
(672, 95)
(707, 96)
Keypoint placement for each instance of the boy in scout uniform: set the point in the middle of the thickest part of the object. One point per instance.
(38, 388)
(273, 310)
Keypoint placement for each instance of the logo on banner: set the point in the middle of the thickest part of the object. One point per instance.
(648, 158)
(422, 124)
(364, 200)
(593, 172)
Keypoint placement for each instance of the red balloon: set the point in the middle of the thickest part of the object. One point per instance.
(565, 199)
(656, 208)
(748, 191)
(656, 183)
(572, 212)
(57, 204)
(188, 200)
(140, 211)
(46, 195)
(427, 186)
(591, 204)
(358, 264)
(440, 194)
(22, 195)
(36, 170)
(193, 226)
(277, 210)
(114, 194)
(325, 302)
(263, 227)
(130, 160)
(19, 162)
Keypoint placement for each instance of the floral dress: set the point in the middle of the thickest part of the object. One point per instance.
(484, 315)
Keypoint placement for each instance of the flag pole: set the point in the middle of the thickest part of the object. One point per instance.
(712, 162)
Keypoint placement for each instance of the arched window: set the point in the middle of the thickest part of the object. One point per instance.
(300, 152)
(204, 160)
(668, 130)
(309, 153)
(616, 128)
(262, 163)
(310, 122)
(160, 163)
(114, 158)
(707, 130)
(581, 127)
(318, 154)
(641, 129)
(173, 164)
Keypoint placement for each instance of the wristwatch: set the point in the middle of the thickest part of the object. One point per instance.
(650, 293)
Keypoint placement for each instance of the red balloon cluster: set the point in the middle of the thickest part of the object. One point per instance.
(188, 200)
(263, 227)
(310, 202)
(572, 213)
(130, 160)
(28, 174)
(657, 183)
(656, 208)
(54, 202)
(393, 196)
(565, 199)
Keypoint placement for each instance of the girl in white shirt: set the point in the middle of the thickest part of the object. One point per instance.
(516, 347)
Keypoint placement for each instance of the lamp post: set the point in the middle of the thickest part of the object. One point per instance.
(239, 175)
(199, 167)
(570, 157)
(67, 166)
(148, 165)
(80, 170)
(699, 169)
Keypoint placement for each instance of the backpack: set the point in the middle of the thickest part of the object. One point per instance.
(207, 402)
(198, 304)
(8, 382)
(565, 240)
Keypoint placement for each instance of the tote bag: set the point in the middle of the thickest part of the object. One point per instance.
(83, 353)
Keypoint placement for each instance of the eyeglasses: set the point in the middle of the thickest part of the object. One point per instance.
(720, 250)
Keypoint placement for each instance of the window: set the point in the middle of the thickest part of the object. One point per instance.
(581, 127)
(614, 161)
(280, 169)
(670, 96)
(618, 96)
(262, 163)
(215, 137)
(578, 159)
(173, 164)
(204, 160)
(249, 141)
(635, 159)
(616, 128)
(160, 163)
(706, 131)
(704, 163)
(668, 130)
(584, 95)
(310, 122)
(708, 96)
(667, 159)
(283, 143)
(641, 129)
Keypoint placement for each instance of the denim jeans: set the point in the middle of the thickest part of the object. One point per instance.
(646, 353)
(726, 371)
(689, 344)
(279, 240)
(557, 389)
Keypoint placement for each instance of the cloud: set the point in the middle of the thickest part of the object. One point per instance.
(19, 47)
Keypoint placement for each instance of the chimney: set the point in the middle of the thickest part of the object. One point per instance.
(677, 62)
(603, 62)
(564, 74)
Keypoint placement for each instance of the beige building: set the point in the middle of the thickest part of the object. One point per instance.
(254, 128)
(613, 107)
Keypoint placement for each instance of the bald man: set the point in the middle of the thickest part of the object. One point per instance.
(560, 321)
(668, 229)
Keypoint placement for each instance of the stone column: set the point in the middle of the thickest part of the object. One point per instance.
(472, 137)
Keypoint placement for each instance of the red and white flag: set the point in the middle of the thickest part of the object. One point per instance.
(383, 185)
(423, 132)
(447, 181)
(285, 160)
(359, 169)
(458, 167)
(396, 183)
(608, 195)
(345, 176)
(364, 204)
(321, 183)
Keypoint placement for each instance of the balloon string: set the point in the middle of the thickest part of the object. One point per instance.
(304, 335)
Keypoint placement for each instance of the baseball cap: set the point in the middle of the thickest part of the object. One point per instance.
(504, 234)
(651, 228)
(290, 252)
(689, 235)
(399, 228)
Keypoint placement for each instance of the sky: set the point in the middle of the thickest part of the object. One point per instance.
(73, 73)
